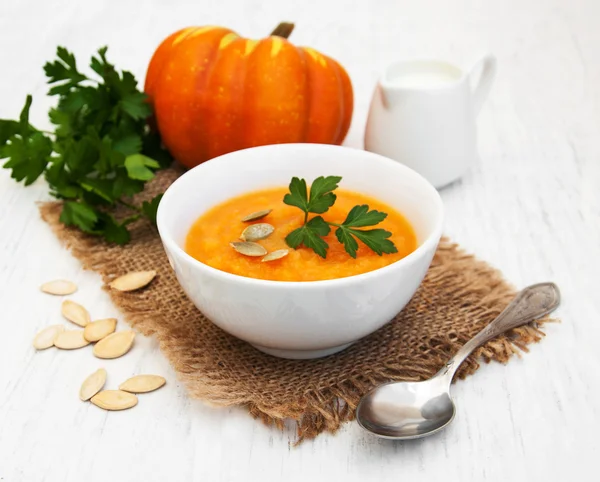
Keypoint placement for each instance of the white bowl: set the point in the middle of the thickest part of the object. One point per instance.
(300, 319)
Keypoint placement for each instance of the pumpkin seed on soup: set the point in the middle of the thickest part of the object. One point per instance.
(256, 232)
(256, 215)
(248, 248)
(272, 256)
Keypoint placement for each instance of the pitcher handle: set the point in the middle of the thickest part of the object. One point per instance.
(487, 66)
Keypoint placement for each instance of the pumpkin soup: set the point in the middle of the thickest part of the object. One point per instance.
(216, 238)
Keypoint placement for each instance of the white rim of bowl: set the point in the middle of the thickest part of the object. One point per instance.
(433, 238)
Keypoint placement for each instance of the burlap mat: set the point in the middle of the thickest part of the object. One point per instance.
(458, 297)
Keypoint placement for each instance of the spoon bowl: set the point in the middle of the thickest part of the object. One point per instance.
(407, 410)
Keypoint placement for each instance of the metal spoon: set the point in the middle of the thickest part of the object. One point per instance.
(406, 410)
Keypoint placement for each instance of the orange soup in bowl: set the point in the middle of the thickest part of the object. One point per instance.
(209, 239)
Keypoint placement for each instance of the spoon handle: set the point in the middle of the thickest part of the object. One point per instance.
(530, 304)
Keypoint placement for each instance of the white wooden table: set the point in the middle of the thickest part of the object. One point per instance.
(531, 207)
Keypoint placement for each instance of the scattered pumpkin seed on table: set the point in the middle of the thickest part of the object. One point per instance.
(142, 384)
(92, 384)
(114, 345)
(274, 255)
(70, 340)
(248, 248)
(133, 281)
(110, 344)
(114, 400)
(96, 330)
(256, 232)
(257, 215)
(59, 287)
(45, 338)
(75, 313)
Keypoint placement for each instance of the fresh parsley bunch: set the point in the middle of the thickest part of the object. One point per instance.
(321, 198)
(101, 152)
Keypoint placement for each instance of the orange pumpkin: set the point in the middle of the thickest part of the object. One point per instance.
(214, 92)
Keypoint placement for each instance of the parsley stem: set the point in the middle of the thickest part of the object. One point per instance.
(130, 219)
(129, 205)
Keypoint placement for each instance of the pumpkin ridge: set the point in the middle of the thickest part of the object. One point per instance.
(211, 61)
(160, 58)
(347, 102)
(334, 66)
(240, 141)
(307, 94)
(199, 85)
(236, 47)
(243, 138)
(203, 82)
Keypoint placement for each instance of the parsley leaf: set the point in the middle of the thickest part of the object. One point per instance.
(321, 198)
(79, 214)
(311, 235)
(102, 150)
(128, 144)
(28, 156)
(134, 104)
(28, 151)
(138, 167)
(113, 231)
(63, 70)
(8, 128)
(298, 195)
(150, 208)
(360, 216)
(321, 195)
(24, 117)
(376, 239)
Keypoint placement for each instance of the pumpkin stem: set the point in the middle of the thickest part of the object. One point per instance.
(284, 30)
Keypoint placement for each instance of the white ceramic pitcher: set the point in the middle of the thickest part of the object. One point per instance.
(423, 115)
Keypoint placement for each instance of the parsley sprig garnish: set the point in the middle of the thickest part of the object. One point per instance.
(312, 232)
(101, 151)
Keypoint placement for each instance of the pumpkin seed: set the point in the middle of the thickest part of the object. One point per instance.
(256, 232)
(59, 287)
(272, 256)
(75, 313)
(45, 338)
(92, 384)
(133, 281)
(256, 215)
(248, 248)
(70, 340)
(114, 400)
(96, 330)
(115, 345)
(142, 384)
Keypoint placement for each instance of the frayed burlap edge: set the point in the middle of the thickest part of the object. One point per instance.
(325, 408)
